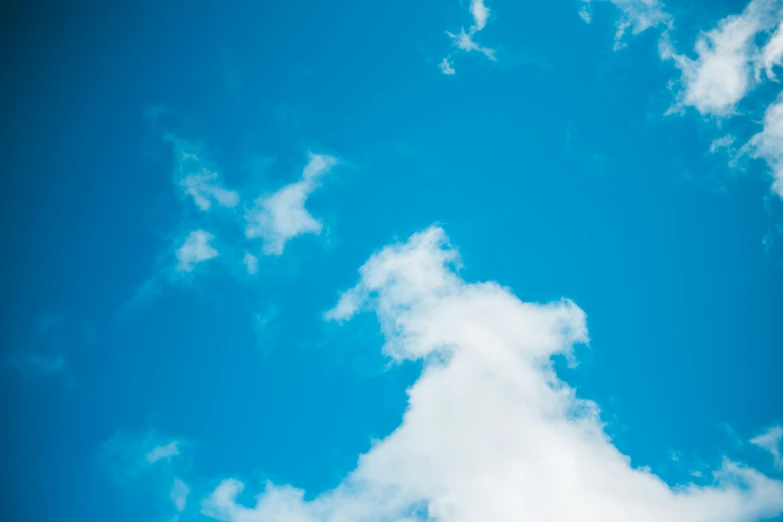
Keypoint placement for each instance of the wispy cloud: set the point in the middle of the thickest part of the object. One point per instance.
(636, 16)
(722, 72)
(772, 54)
(196, 249)
(165, 451)
(179, 494)
(447, 67)
(211, 224)
(490, 432)
(149, 464)
(276, 218)
(480, 14)
(44, 349)
(251, 263)
(38, 364)
(197, 179)
(130, 455)
(772, 441)
(768, 144)
(464, 40)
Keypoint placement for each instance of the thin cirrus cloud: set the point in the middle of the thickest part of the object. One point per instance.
(772, 441)
(490, 432)
(768, 143)
(164, 451)
(197, 180)
(464, 40)
(251, 263)
(148, 463)
(281, 216)
(197, 248)
(636, 16)
(273, 218)
(730, 60)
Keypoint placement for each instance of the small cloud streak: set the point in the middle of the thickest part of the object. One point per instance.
(282, 216)
(196, 249)
(251, 263)
(490, 432)
(464, 40)
(179, 494)
(447, 67)
(197, 180)
(165, 451)
(768, 144)
(722, 73)
(636, 16)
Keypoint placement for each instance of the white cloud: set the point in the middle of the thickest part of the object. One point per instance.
(197, 180)
(490, 432)
(722, 73)
(585, 14)
(196, 249)
(251, 263)
(38, 364)
(447, 67)
(131, 456)
(771, 440)
(204, 187)
(464, 40)
(179, 494)
(722, 143)
(281, 216)
(768, 144)
(480, 14)
(165, 451)
(772, 54)
(636, 16)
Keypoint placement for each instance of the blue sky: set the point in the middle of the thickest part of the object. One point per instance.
(393, 261)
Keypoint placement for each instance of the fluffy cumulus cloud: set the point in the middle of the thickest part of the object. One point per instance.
(490, 432)
(772, 441)
(465, 41)
(728, 59)
(196, 249)
(636, 16)
(276, 218)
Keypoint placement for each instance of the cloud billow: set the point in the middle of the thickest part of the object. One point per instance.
(490, 432)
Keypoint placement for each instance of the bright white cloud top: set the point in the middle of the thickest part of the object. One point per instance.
(198, 181)
(728, 59)
(196, 249)
(281, 216)
(490, 432)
